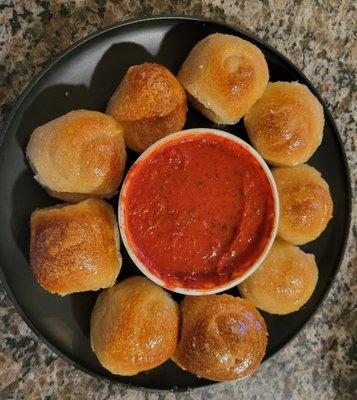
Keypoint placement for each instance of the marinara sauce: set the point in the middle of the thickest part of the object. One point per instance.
(199, 211)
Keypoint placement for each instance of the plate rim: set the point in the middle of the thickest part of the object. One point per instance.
(18, 102)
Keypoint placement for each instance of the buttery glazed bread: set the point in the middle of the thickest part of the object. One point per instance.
(134, 326)
(286, 124)
(78, 156)
(284, 282)
(149, 103)
(222, 337)
(224, 76)
(75, 248)
(305, 203)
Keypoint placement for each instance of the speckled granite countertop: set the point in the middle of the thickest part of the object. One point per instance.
(320, 38)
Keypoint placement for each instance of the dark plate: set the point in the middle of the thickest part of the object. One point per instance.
(84, 77)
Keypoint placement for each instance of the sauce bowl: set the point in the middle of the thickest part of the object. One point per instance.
(137, 255)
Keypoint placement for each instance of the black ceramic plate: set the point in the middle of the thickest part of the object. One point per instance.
(84, 77)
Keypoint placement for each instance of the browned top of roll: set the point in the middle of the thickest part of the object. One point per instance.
(222, 337)
(286, 124)
(305, 203)
(225, 75)
(284, 282)
(149, 103)
(134, 326)
(82, 152)
(146, 91)
(74, 248)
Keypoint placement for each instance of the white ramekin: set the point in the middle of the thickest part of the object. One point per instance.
(253, 267)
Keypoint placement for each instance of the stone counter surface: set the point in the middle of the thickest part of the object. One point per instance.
(320, 38)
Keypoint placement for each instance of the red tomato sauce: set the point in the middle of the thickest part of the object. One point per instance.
(199, 211)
